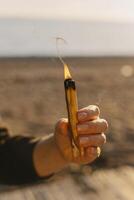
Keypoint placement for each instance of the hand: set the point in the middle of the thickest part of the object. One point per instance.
(91, 135)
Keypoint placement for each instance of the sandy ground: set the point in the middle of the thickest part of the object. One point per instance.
(32, 100)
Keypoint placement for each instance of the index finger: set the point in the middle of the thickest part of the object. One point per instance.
(88, 113)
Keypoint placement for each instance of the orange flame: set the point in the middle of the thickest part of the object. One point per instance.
(67, 74)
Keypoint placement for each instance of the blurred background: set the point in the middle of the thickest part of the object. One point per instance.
(100, 53)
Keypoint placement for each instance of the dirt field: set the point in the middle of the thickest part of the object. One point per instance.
(32, 94)
(32, 99)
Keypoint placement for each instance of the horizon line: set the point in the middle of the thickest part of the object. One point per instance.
(93, 20)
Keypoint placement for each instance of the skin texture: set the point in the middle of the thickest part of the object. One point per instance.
(90, 129)
(55, 153)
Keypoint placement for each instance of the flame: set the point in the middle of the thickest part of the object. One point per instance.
(67, 74)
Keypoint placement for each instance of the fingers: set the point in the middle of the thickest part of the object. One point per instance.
(93, 152)
(92, 127)
(88, 113)
(92, 140)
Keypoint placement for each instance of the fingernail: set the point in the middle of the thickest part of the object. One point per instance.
(98, 151)
(83, 140)
(82, 127)
(82, 115)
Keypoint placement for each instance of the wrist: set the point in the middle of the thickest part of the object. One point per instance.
(47, 157)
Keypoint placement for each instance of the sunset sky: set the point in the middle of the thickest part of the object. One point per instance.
(106, 10)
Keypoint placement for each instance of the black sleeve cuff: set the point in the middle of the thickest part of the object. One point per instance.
(16, 159)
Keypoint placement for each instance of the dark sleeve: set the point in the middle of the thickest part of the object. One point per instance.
(16, 158)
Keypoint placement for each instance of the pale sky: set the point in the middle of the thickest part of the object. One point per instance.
(106, 10)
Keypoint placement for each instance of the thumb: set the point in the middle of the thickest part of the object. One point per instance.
(62, 126)
(62, 139)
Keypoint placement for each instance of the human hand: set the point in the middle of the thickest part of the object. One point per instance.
(90, 129)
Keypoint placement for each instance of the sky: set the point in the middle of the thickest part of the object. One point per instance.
(106, 10)
(91, 27)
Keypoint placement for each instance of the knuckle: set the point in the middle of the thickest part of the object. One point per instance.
(104, 124)
(97, 110)
(94, 108)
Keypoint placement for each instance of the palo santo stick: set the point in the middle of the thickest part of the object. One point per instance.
(72, 108)
(72, 105)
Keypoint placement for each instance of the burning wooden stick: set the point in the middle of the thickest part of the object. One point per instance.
(72, 105)
(72, 108)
